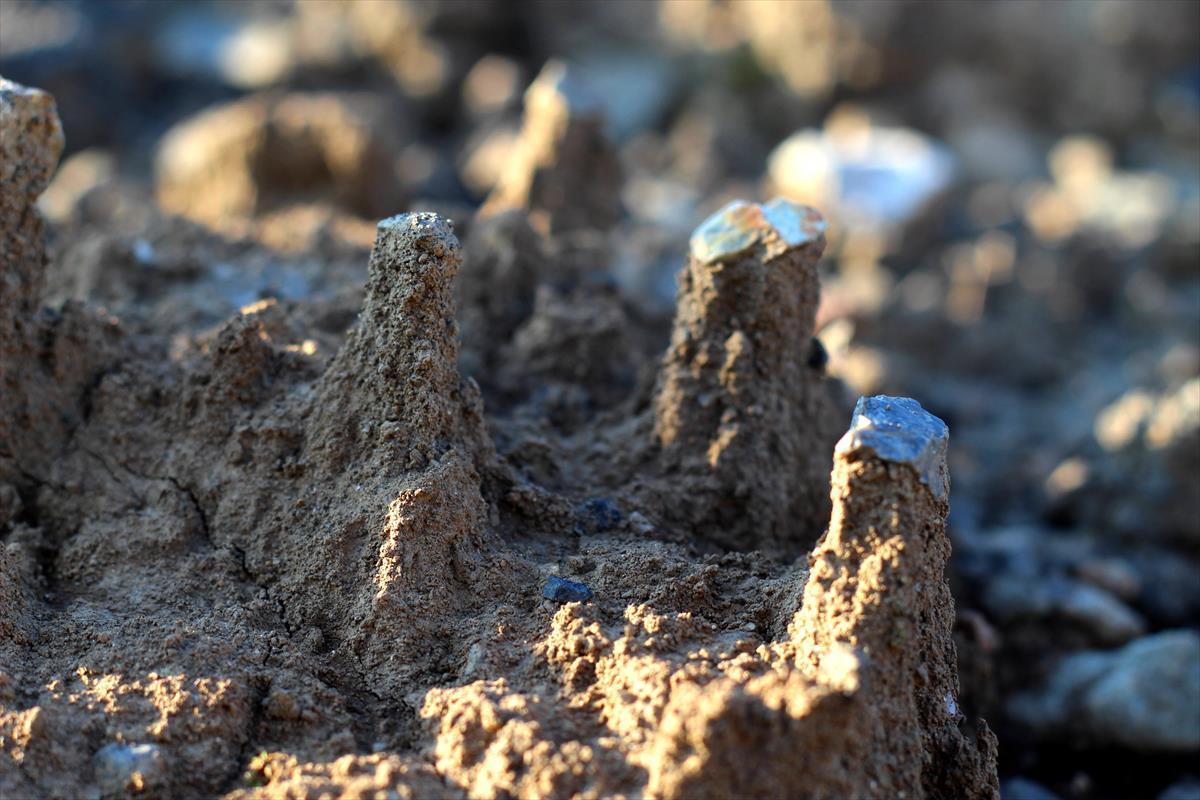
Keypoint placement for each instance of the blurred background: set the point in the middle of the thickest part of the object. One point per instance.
(1013, 192)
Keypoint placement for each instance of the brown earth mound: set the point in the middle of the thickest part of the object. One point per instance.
(269, 560)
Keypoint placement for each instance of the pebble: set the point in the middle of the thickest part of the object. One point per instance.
(1112, 574)
(1150, 699)
(897, 429)
(1145, 696)
(598, 514)
(641, 524)
(1010, 597)
(866, 176)
(121, 767)
(739, 225)
(561, 590)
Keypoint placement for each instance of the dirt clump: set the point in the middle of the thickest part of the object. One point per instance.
(271, 152)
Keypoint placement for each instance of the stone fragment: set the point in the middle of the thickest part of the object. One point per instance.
(1147, 482)
(598, 514)
(1186, 789)
(867, 177)
(565, 171)
(898, 430)
(561, 590)
(737, 410)
(1011, 597)
(1115, 575)
(77, 184)
(1150, 698)
(740, 225)
(1025, 789)
(129, 769)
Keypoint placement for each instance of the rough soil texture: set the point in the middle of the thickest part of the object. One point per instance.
(264, 559)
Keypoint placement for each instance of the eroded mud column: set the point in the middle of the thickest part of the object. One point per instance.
(395, 383)
(876, 585)
(564, 172)
(390, 538)
(31, 140)
(738, 408)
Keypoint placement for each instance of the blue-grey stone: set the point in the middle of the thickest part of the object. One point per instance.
(1186, 789)
(740, 225)
(897, 429)
(725, 234)
(795, 224)
(1144, 696)
(561, 590)
(598, 515)
(116, 765)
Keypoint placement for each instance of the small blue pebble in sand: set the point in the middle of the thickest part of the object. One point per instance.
(561, 590)
(599, 514)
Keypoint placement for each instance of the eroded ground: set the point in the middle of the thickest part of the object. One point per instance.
(267, 558)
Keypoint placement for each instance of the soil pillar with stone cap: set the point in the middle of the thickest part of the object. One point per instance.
(565, 171)
(31, 140)
(394, 386)
(738, 410)
(390, 540)
(876, 585)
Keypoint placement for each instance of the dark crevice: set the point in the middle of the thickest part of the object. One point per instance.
(88, 396)
(86, 404)
(247, 574)
(246, 752)
(205, 532)
(141, 499)
(46, 550)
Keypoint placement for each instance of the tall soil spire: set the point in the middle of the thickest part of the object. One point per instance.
(738, 410)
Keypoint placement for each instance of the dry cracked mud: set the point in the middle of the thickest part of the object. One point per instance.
(273, 557)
